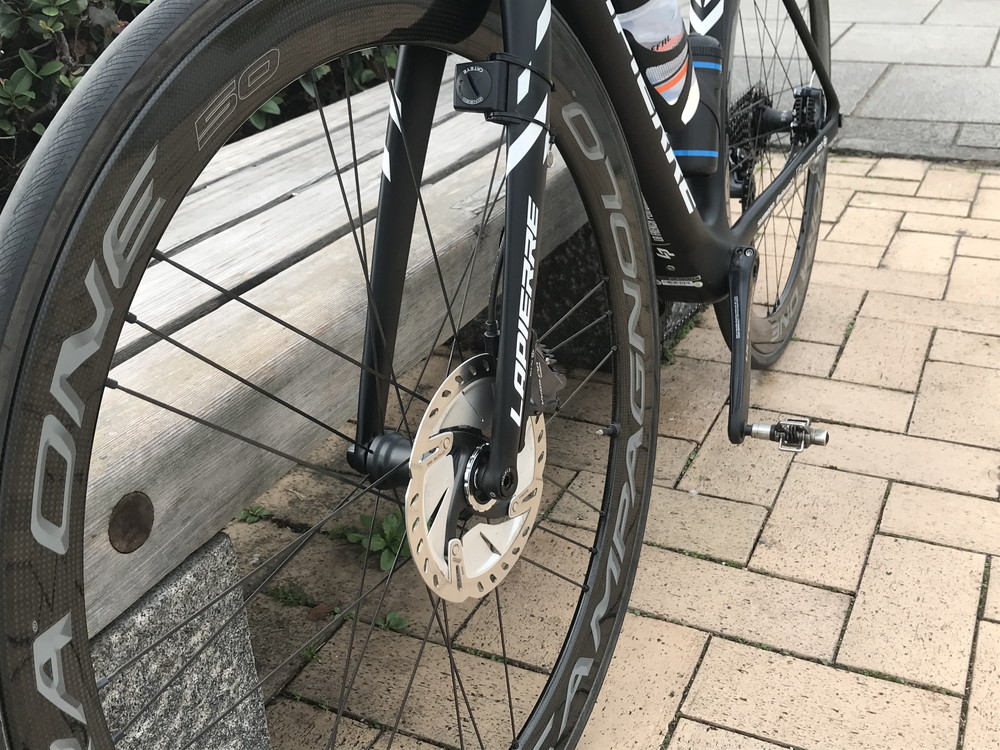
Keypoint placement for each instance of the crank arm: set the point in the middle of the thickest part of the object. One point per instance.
(743, 266)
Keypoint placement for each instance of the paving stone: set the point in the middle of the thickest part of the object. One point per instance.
(807, 358)
(957, 403)
(820, 527)
(975, 280)
(956, 315)
(965, 12)
(682, 520)
(888, 11)
(899, 43)
(633, 713)
(906, 203)
(920, 253)
(881, 279)
(966, 348)
(992, 609)
(956, 184)
(979, 248)
(871, 185)
(378, 698)
(850, 165)
(987, 205)
(834, 202)
(573, 445)
(854, 79)
(902, 92)
(915, 613)
(837, 401)
(294, 725)
(866, 226)
(801, 357)
(899, 169)
(733, 601)
(692, 735)
(990, 180)
(884, 353)
(827, 313)
(909, 459)
(537, 605)
(893, 136)
(951, 225)
(751, 472)
(849, 254)
(978, 134)
(795, 702)
(942, 517)
(691, 395)
(982, 726)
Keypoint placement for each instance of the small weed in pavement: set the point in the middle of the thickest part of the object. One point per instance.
(291, 595)
(253, 514)
(388, 538)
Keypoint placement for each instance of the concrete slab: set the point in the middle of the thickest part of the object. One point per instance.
(919, 45)
(924, 92)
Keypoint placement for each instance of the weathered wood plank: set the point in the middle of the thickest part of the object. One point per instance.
(284, 232)
(198, 478)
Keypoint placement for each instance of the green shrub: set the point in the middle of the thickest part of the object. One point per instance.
(47, 46)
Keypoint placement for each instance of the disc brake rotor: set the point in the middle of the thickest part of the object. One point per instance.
(460, 554)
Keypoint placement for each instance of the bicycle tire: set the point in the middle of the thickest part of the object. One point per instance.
(768, 63)
(130, 127)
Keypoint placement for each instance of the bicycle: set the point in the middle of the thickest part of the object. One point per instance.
(88, 222)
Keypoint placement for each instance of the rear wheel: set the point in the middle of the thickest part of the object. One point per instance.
(769, 65)
(182, 324)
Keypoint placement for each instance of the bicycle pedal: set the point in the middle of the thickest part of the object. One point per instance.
(791, 434)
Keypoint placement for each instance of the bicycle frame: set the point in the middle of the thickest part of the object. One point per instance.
(691, 212)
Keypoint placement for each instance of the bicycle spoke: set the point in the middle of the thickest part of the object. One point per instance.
(284, 324)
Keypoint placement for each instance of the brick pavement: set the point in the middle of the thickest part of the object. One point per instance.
(842, 598)
(839, 598)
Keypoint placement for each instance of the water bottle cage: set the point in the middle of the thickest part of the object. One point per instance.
(485, 87)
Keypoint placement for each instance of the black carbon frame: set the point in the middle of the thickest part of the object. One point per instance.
(700, 237)
(690, 212)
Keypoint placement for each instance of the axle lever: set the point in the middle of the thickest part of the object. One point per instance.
(742, 279)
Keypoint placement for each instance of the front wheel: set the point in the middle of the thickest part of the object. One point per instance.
(769, 65)
(182, 325)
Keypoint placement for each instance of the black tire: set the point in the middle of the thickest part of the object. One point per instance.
(130, 131)
(769, 62)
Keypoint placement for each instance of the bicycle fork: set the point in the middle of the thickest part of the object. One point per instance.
(520, 85)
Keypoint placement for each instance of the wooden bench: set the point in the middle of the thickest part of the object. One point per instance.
(266, 219)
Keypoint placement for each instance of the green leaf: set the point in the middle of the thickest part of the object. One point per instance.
(28, 60)
(353, 537)
(392, 523)
(50, 11)
(270, 107)
(39, 128)
(385, 562)
(367, 75)
(104, 17)
(52, 66)
(7, 127)
(309, 86)
(377, 543)
(9, 26)
(258, 121)
(19, 81)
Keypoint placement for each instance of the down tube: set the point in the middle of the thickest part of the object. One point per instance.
(700, 253)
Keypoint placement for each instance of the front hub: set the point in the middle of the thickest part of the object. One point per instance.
(464, 544)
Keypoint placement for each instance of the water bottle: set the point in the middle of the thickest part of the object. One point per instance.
(659, 42)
